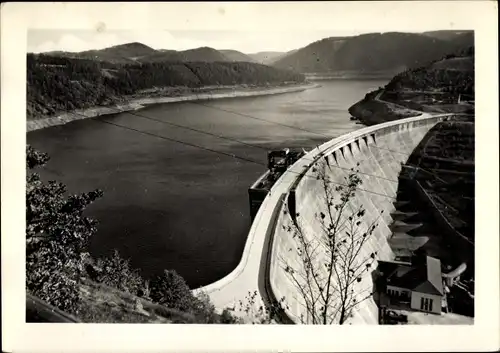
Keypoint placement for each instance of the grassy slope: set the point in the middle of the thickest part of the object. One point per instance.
(103, 304)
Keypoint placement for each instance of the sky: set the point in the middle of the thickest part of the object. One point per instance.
(43, 40)
(248, 27)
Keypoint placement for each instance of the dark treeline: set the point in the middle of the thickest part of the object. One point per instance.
(56, 84)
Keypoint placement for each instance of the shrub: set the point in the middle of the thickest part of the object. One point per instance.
(116, 272)
(205, 310)
(227, 318)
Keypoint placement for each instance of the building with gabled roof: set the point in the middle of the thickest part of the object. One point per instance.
(419, 283)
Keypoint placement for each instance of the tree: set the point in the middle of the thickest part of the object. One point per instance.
(171, 290)
(57, 236)
(330, 264)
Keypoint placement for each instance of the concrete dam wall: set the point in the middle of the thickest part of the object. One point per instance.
(378, 152)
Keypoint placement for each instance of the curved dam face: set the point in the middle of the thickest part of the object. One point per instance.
(378, 153)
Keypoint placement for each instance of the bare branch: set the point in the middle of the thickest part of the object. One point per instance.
(326, 281)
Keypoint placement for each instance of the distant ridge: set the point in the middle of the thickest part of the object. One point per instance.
(373, 52)
(122, 53)
(128, 50)
(266, 57)
(205, 54)
(447, 34)
(234, 55)
(141, 53)
(390, 53)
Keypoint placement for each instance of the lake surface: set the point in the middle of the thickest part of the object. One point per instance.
(171, 205)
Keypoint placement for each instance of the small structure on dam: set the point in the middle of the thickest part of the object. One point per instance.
(277, 163)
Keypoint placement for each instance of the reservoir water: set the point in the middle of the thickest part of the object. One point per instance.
(171, 205)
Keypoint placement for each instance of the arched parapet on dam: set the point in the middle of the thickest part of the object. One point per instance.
(378, 152)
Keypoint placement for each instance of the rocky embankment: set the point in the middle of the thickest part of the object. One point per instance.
(138, 103)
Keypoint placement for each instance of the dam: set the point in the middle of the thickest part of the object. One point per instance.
(378, 152)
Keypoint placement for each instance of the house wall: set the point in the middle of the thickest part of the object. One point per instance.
(416, 298)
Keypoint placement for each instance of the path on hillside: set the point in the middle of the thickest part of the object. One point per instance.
(377, 98)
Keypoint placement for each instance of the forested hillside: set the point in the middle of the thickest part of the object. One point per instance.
(453, 73)
(58, 83)
(445, 85)
(374, 52)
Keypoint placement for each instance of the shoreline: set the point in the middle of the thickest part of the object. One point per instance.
(139, 103)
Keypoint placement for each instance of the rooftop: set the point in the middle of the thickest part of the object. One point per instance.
(423, 277)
